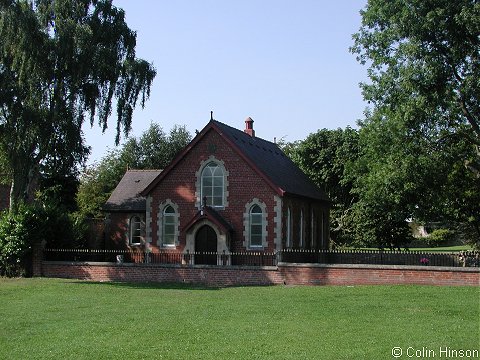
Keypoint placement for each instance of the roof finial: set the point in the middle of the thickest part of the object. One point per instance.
(211, 115)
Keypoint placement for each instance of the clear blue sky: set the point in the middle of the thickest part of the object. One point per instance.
(284, 63)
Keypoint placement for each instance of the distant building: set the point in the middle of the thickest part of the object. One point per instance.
(228, 190)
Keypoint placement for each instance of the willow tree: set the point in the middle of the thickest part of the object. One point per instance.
(62, 63)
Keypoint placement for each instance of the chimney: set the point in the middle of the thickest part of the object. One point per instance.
(249, 127)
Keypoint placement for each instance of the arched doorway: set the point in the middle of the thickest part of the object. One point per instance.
(206, 246)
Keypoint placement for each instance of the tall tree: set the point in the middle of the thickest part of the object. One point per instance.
(323, 156)
(424, 121)
(153, 150)
(60, 62)
(424, 64)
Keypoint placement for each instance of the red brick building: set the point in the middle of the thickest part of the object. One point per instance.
(228, 190)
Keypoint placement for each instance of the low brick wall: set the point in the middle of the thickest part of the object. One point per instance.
(290, 274)
(318, 274)
(209, 275)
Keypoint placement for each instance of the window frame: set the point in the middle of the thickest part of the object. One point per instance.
(169, 219)
(312, 229)
(257, 222)
(260, 217)
(135, 225)
(301, 231)
(208, 190)
(289, 228)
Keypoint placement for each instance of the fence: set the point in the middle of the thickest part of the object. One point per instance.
(376, 257)
(165, 257)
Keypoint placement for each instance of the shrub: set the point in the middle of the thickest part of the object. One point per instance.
(468, 233)
(48, 223)
(17, 231)
(440, 237)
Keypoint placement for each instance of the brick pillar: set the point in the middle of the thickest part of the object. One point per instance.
(37, 259)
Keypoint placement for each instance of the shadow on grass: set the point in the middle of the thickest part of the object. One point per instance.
(149, 285)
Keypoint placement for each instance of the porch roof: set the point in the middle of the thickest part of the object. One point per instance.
(213, 216)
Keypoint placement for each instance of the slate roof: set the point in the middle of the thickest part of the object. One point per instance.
(264, 157)
(126, 196)
(267, 157)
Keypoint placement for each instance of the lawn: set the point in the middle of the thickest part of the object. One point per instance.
(66, 319)
(447, 249)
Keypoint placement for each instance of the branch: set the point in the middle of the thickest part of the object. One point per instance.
(471, 119)
(474, 165)
(463, 106)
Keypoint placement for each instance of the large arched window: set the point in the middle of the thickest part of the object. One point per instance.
(213, 185)
(256, 226)
(169, 225)
(135, 230)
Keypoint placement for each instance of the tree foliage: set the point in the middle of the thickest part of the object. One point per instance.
(420, 139)
(16, 241)
(47, 221)
(153, 150)
(424, 64)
(323, 156)
(62, 61)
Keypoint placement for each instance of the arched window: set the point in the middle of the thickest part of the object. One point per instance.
(255, 220)
(213, 185)
(135, 230)
(256, 226)
(169, 225)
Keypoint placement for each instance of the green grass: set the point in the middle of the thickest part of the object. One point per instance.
(429, 249)
(66, 319)
(445, 248)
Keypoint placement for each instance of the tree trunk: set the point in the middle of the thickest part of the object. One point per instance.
(24, 183)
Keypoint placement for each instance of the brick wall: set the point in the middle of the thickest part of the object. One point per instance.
(289, 274)
(117, 230)
(318, 274)
(243, 186)
(212, 276)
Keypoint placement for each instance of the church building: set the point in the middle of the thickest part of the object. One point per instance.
(227, 191)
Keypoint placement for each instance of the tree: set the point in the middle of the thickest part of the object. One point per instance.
(393, 178)
(323, 156)
(97, 183)
(61, 61)
(153, 150)
(399, 175)
(424, 63)
(423, 128)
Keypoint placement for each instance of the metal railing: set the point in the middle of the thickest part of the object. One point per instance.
(163, 257)
(382, 257)
(375, 257)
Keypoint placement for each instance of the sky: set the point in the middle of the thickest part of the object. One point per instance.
(284, 63)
